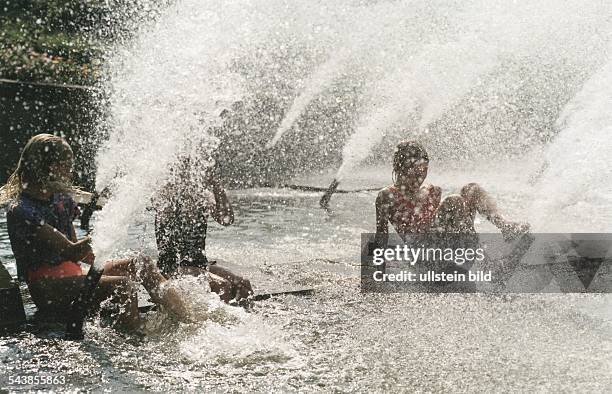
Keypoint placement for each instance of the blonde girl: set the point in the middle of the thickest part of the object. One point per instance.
(47, 252)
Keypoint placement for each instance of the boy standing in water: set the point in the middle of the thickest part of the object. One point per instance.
(414, 207)
(44, 242)
(181, 220)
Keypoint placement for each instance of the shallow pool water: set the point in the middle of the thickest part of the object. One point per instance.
(337, 339)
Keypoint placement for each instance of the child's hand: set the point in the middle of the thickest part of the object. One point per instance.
(84, 240)
(84, 249)
(89, 259)
(511, 230)
(243, 289)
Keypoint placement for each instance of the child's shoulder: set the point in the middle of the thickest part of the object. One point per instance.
(24, 208)
(386, 193)
(388, 189)
(21, 202)
(430, 187)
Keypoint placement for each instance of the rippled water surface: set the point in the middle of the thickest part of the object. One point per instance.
(337, 339)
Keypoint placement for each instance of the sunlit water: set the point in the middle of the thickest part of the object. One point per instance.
(470, 79)
(337, 339)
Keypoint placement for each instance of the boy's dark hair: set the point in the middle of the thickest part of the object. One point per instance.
(407, 154)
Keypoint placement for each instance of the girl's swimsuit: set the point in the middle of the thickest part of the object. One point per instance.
(414, 215)
(61, 270)
(24, 217)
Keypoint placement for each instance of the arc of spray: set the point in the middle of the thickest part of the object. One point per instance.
(317, 83)
(469, 65)
(369, 134)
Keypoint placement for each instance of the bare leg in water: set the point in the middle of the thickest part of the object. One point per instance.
(123, 291)
(119, 283)
(120, 280)
(477, 200)
(228, 285)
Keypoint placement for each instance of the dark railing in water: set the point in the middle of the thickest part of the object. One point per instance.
(12, 313)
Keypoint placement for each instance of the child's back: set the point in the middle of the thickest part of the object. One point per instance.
(181, 222)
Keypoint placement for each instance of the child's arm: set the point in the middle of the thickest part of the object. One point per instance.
(222, 210)
(382, 220)
(479, 200)
(73, 251)
(73, 236)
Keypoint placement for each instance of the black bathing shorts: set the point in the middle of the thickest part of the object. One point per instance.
(169, 261)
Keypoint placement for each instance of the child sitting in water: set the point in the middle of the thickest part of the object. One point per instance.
(413, 206)
(182, 210)
(44, 242)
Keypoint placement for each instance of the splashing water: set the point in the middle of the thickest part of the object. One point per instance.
(484, 46)
(221, 333)
(468, 78)
(249, 342)
(160, 100)
(578, 170)
(314, 86)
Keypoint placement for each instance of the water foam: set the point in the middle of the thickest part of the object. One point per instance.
(225, 333)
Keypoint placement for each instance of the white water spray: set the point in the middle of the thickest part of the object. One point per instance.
(443, 67)
(486, 37)
(576, 189)
(321, 80)
(167, 90)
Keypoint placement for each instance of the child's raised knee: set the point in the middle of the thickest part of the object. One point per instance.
(471, 189)
(145, 262)
(126, 287)
(472, 192)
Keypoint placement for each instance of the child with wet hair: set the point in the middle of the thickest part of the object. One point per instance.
(182, 208)
(414, 207)
(47, 252)
(409, 204)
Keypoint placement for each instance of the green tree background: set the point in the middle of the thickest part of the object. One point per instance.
(65, 41)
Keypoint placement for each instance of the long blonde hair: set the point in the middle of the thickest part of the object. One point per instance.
(34, 167)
